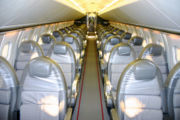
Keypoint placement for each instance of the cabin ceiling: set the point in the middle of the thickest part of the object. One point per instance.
(161, 14)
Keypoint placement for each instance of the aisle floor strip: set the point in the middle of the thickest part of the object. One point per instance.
(98, 76)
(82, 82)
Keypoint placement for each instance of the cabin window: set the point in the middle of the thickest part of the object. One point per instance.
(5, 50)
(177, 54)
(144, 43)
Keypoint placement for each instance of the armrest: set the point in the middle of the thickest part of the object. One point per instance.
(103, 64)
(82, 53)
(74, 89)
(107, 91)
(79, 64)
(84, 43)
(107, 85)
(100, 53)
(68, 114)
(75, 85)
(114, 114)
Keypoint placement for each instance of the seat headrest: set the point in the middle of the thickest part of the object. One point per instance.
(137, 41)
(40, 68)
(56, 34)
(69, 40)
(124, 51)
(114, 41)
(75, 34)
(120, 32)
(60, 49)
(145, 71)
(46, 39)
(155, 50)
(26, 47)
(108, 35)
(127, 36)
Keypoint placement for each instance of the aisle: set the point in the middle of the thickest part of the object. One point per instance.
(92, 106)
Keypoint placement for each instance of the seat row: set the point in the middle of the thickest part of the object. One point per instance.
(137, 81)
(44, 82)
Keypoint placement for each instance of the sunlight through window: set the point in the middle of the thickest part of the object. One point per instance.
(132, 107)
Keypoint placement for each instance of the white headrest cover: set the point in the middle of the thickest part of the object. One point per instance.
(40, 68)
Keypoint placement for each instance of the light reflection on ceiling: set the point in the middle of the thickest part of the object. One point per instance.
(98, 6)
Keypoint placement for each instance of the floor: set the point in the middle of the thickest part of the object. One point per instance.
(90, 103)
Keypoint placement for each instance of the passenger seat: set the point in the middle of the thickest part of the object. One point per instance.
(120, 56)
(46, 40)
(136, 43)
(63, 54)
(156, 54)
(173, 92)
(58, 35)
(26, 51)
(140, 93)
(8, 90)
(43, 91)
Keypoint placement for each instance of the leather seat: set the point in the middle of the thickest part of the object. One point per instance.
(140, 93)
(72, 41)
(156, 54)
(58, 35)
(120, 56)
(126, 36)
(43, 91)
(26, 51)
(173, 92)
(45, 41)
(109, 44)
(63, 54)
(136, 42)
(8, 91)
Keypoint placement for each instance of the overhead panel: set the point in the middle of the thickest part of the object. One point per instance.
(18, 13)
(159, 14)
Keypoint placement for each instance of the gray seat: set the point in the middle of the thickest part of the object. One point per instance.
(120, 56)
(136, 42)
(140, 93)
(105, 36)
(8, 91)
(63, 54)
(125, 36)
(156, 54)
(104, 55)
(64, 31)
(45, 41)
(43, 92)
(58, 35)
(26, 51)
(73, 42)
(110, 43)
(173, 94)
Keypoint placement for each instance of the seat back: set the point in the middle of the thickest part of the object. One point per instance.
(46, 40)
(58, 35)
(156, 54)
(173, 94)
(8, 90)
(63, 54)
(110, 43)
(126, 36)
(136, 42)
(26, 51)
(73, 42)
(120, 56)
(140, 94)
(78, 37)
(42, 92)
